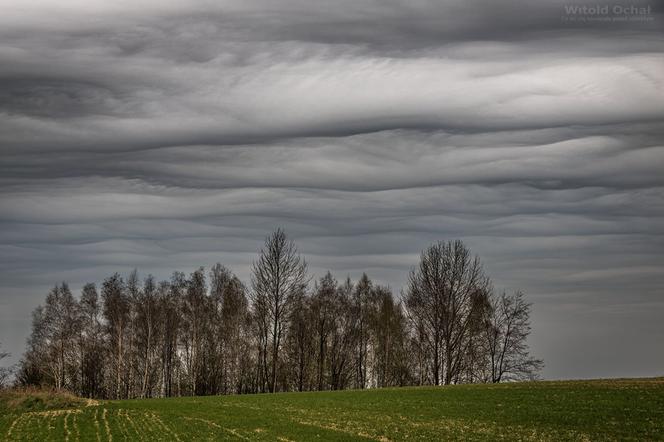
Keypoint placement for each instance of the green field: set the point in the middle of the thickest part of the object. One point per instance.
(631, 409)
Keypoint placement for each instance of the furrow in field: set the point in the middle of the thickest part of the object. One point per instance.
(52, 421)
(322, 420)
(122, 424)
(77, 430)
(107, 427)
(166, 428)
(66, 426)
(133, 426)
(335, 427)
(15, 423)
(96, 421)
(480, 429)
(148, 428)
(31, 426)
(231, 431)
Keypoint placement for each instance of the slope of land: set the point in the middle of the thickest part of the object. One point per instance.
(626, 409)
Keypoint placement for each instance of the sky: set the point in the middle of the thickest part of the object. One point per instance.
(164, 135)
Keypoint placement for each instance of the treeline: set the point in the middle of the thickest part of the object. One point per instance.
(208, 333)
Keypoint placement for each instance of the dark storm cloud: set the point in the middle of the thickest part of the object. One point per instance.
(169, 135)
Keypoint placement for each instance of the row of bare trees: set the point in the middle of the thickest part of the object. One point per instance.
(207, 333)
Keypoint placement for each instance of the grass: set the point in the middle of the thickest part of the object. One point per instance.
(625, 409)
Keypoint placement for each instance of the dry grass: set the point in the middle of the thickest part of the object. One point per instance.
(36, 399)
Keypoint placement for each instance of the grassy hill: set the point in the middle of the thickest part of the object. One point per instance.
(576, 410)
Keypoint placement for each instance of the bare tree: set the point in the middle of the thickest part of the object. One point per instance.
(194, 308)
(342, 337)
(52, 356)
(260, 322)
(132, 356)
(218, 341)
(322, 308)
(277, 276)
(507, 328)
(360, 313)
(61, 322)
(170, 299)
(299, 343)
(440, 299)
(234, 316)
(390, 340)
(32, 368)
(91, 344)
(226, 331)
(145, 331)
(116, 314)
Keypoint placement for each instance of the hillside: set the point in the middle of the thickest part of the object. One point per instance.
(575, 410)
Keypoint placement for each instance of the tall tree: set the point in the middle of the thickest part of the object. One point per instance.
(52, 356)
(216, 332)
(441, 295)
(276, 278)
(342, 337)
(390, 331)
(32, 368)
(61, 322)
(361, 320)
(116, 311)
(233, 332)
(507, 328)
(322, 308)
(132, 369)
(146, 333)
(91, 345)
(194, 308)
(300, 346)
(171, 300)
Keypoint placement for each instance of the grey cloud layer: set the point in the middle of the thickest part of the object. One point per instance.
(176, 134)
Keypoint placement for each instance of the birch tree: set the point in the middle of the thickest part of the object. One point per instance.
(276, 277)
(116, 313)
(440, 298)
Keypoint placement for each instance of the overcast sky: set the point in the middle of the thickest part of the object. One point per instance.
(169, 135)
